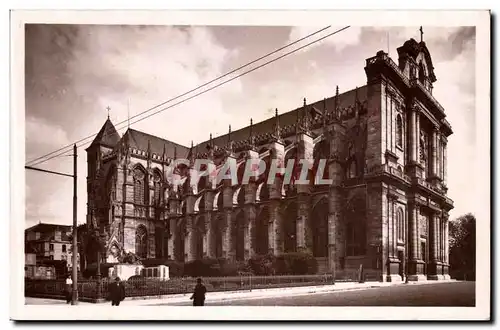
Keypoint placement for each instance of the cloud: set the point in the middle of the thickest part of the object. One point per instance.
(43, 136)
(100, 66)
(340, 41)
(114, 66)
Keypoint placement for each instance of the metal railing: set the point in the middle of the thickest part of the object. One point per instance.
(92, 290)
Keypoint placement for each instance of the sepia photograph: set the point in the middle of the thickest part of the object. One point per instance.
(272, 162)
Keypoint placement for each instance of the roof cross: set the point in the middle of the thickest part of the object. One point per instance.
(421, 34)
(108, 108)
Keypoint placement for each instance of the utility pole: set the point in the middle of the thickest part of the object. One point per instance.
(74, 297)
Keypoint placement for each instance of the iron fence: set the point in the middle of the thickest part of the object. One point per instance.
(93, 290)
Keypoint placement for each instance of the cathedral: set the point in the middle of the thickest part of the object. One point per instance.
(386, 208)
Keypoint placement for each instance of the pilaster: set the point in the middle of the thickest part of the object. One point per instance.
(275, 229)
(334, 201)
(210, 219)
(229, 244)
(432, 269)
(415, 264)
(275, 226)
(304, 230)
(390, 245)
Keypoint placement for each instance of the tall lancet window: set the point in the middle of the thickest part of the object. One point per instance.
(141, 241)
(400, 224)
(399, 131)
(139, 186)
(157, 188)
(421, 73)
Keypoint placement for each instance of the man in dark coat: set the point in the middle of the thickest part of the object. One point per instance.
(116, 292)
(198, 296)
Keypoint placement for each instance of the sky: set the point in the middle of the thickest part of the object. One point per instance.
(74, 72)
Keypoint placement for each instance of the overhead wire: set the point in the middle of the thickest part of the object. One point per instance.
(203, 92)
(31, 162)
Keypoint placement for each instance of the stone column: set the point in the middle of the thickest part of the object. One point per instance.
(250, 230)
(275, 226)
(441, 239)
(228, 244)
(393, 234)
(334, 200)
(209, 228)
(304, 231)
(415, 264)
(439, 156)
(276, 239)
(210, 219)
(434, 146)
(191, 230)
(173, 237)
(433, 237)
(413, 239)
(445, 161)
(334, 206)
(413, 135)
(446, 241)
(249, 208)
(303, 223)
(191, 238)
(433, 247)
(417, 137)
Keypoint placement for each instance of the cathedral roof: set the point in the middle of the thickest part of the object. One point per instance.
(141, 140)
(289, 118)
(107, 136)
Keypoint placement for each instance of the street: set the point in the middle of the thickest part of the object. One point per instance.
(435, 294)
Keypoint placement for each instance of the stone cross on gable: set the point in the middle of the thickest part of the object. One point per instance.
(108, 108)
(421, 34)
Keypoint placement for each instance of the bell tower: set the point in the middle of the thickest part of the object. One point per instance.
(105, 141)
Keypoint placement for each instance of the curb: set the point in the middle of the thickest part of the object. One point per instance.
(281, 293)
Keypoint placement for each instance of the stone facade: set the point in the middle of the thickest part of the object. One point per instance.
(384, 145)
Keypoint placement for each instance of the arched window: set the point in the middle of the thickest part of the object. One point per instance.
(356, 228)
(139, 186)
(157, 188)
(400, 224)
(352, 169)
(141, 241)
(159, 242)
(421, 72)
(399, 131)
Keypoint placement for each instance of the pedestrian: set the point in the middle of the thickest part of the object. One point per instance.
(68, 289)
(116, 292)
(198, 296)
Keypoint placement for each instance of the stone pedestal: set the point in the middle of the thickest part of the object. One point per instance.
(160, 272)
(415, 170)
(416, 270)
(125, 271)
(393, 270)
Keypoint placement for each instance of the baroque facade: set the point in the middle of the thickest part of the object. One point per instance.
(386, 208)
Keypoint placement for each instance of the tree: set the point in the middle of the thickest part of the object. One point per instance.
(89, 242)
(462, 242)
(81, 241)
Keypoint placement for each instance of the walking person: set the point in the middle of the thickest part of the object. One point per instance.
(198, 296)
(68, 289)
(116, 292)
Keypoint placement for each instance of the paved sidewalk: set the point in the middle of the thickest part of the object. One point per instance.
(235, 295)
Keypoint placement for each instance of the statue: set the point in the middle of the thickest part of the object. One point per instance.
(129, 258)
